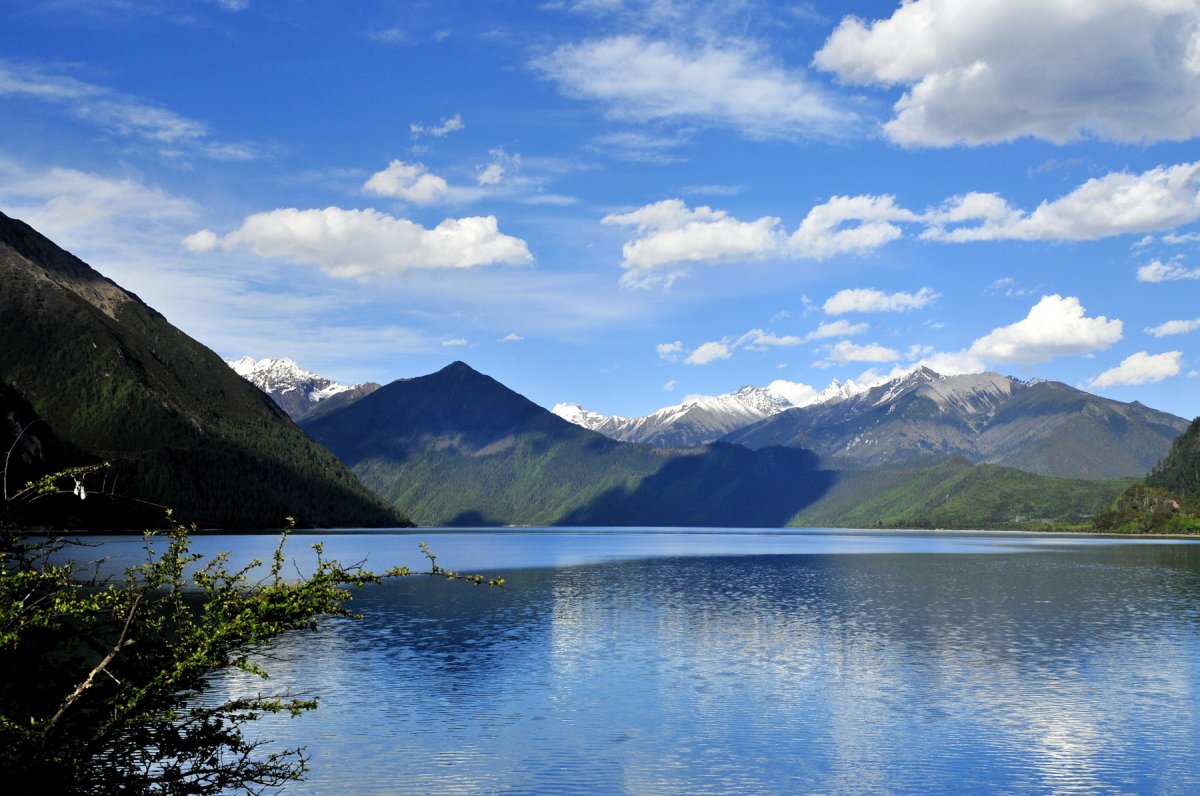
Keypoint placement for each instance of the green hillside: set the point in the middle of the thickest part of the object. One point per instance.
(1169, 499)
(956, 494)
(112, 380)
(1179, 471)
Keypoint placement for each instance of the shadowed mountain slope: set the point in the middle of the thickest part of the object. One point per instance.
(457, 447)
(111, 379)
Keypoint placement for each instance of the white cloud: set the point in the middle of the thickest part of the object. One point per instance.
(753, 340)
(1156, 271)
(199, 242)
(952, 363)
(391, 36)
(669, 351)
(982, 72)
(511, 337)
(411, 182)
(1054, 327)
(794, 392)
(502, 165)
(1115, 204)
(673, 234)
(640, 147)
(871, 300)
(762, 339)
(839, 328)
(367, 243)
(1174, 327)
(730, 85)
(670, 385)
(61, 201)
(708, 352)
(846, 351)
(1140, 368)
(1007, 287)
(457, 341)
(451, 125)
(491, 174)
(170, 133)
(824, 232)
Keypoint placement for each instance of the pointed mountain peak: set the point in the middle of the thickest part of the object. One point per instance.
(458, 366)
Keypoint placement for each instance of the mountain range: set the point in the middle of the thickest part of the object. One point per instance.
(701, 419)
(89, 373)
(1043, 427)
(298, 392)
(456, 447)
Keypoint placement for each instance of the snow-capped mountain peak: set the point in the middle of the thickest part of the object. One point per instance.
(700, 419)
(295, 389)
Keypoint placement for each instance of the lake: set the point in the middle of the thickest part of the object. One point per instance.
(723, 662)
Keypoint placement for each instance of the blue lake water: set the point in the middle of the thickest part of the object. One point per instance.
(713, 662)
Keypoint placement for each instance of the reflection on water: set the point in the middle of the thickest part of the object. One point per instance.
(1066, 668)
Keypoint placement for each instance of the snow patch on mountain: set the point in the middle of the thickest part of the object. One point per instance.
(296, 390)
(701, 419)
(284, 375)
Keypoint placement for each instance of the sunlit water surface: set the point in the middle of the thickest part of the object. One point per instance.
(652, 662)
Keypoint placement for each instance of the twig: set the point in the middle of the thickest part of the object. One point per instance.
(121, 644)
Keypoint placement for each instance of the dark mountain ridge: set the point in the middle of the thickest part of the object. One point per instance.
(110, 379)
(1042, 427)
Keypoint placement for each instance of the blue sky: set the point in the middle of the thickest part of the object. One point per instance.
(620, 203)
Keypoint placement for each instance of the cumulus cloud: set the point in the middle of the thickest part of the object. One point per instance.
(871, 300)
(411, 182)
(447, 126)
(490, 174)
(753, 340)
(1156, 271)
(170, 133)
(1174, 327)
(672, 234)
(794, 392)
(669, 351)
(827, 231)
(730, 85)
(511, 337)
(1115, 204)
(847, 351)
(982, 72)
(502, 165)
(708, 352)
(199, 242)
(757, 338)
(367, 243)
(457, 341)
(1054, 327)
(952, 363)
(1140, 368)
(839, 328)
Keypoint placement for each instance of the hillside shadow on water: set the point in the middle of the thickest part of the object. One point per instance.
(721, 485)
